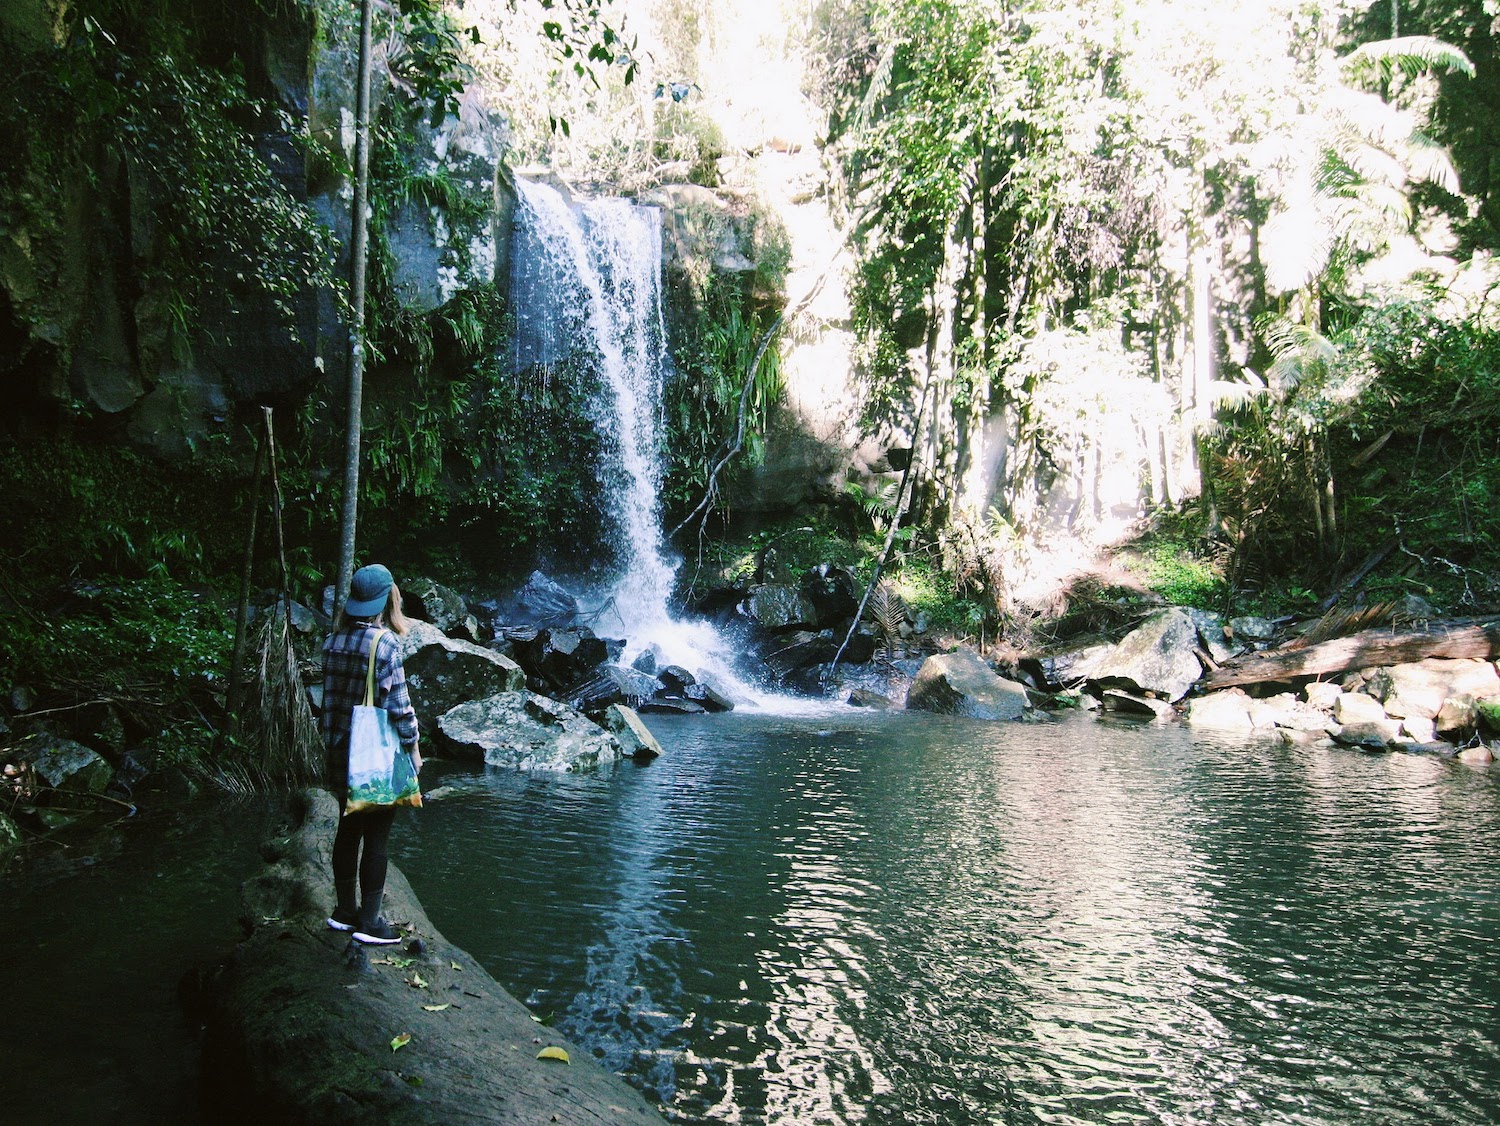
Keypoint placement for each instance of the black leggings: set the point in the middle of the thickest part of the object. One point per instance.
(372, 827)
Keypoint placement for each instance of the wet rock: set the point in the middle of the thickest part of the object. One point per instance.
(612, 684)
(670, 705)
(543, 602)
(962, 683)
(1157, 657)
(528, 732)
(832, 593)
(1488, 714)
(865, 698)
(440, 605)
(443, 672)
(65, 765)
(1375, 735)
(1114, 700)
(777, 609)
(710, 697)
(1228, 710)
(555, 660)
(1476, 756)
(647, 661)
(675, 678)
(798, 651)
(298, 1021)
(634, 736)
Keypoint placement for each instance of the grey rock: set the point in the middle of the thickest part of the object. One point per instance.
(1458, 716)
(1369, 734)
(1216, 638)
(1228, 710)
(1066, 668)
(1356, 707)
(961, 683)
(635, 737)
(1114, 700)
(528, 732)
(776, 608)
(1252, 630)
(1157, 657)
(65, 765)
(443, 606)
(443, 672)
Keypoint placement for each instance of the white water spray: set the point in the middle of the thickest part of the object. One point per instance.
(590, 276)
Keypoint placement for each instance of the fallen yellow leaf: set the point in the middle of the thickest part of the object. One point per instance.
(553, 1054)
(417, 981)
(399, 1042)
(434, 1008)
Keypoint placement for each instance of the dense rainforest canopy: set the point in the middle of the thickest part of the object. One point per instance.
(1218, 272)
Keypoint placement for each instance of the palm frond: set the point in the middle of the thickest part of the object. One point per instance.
(1409, 55)
(1428, 160)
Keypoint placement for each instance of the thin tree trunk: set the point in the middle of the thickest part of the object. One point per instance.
(235, 697)
(360, 227)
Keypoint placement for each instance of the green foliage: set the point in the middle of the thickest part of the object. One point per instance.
(713, 355)
(122, 107)
(1173, 561)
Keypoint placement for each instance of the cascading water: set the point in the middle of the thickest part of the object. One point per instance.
(589, 276)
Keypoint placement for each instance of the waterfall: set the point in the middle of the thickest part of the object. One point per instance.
(589, 275)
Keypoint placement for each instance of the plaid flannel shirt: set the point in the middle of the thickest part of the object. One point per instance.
(346, 660)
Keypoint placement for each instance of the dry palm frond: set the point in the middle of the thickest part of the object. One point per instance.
(286, 744)
(1344, 620)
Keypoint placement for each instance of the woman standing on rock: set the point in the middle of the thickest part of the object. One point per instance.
(371, 613)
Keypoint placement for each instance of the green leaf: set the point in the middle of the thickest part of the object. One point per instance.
(401, 1041)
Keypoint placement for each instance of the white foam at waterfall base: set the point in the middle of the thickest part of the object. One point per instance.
(589, 275)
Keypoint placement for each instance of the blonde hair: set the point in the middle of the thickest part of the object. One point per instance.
(391, 616)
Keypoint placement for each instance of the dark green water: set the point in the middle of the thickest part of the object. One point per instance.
(905, 919)
(100, 927)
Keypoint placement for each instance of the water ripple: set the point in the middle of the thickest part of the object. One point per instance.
(906, 919)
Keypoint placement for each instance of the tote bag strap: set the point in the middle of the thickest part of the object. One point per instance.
(370, 676)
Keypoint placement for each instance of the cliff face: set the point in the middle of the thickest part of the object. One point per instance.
(94, 316)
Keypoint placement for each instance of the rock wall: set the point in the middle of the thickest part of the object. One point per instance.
(87, 325)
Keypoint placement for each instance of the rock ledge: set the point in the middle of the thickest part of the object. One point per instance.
(299, 1021)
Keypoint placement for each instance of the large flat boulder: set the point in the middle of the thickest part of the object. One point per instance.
(299, 1021)
(528, 732)
(443, 672)
(962, 683)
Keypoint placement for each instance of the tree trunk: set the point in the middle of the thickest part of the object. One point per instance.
(360, 227)
(1370, 648)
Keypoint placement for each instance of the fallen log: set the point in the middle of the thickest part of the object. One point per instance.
(1369, 648)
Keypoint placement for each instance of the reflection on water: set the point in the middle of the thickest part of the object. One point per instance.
(907, 919)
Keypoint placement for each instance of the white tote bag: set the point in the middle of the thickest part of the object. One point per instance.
(380, 772)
